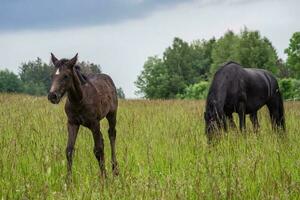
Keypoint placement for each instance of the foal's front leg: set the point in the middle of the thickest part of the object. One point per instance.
(72, 135)
(99, 146)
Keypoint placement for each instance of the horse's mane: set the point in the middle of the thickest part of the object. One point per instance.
(228, 63)
(212, 101)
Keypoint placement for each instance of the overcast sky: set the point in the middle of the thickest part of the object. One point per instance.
(120, 34)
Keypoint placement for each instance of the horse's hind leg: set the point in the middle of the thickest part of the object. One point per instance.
(276, 109)
(254, 120)
(111, 117)
(242, 115)
(231, 121)
(98, 146)
(224, 123)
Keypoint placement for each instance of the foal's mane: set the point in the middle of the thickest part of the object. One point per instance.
(81, 76)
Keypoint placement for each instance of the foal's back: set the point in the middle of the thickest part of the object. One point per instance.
(100, 94)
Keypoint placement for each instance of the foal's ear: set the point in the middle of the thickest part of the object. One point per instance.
(53, 58)
(73, 61)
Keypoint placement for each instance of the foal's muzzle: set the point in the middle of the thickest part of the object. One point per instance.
(54, 97)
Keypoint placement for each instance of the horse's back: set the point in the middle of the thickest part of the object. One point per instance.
(254, 86)
(260, 78)
(247, 78)
(228, 77)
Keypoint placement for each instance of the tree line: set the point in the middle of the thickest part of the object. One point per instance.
(185, 69)
(34, 77)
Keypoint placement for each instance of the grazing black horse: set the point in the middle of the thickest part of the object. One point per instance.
(89, 99)
(244, 91)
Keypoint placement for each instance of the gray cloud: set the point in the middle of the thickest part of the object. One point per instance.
(40, 14)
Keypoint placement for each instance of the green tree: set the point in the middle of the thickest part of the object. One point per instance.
(290, 88)
(293, 53)
(247, 48)
(255, 51)
(9, 82)
(152, 82)
(36, 77)
(177, 60)
(283, 70)
(225, 49)
(183, 64)
(187, 64)
(201, 58)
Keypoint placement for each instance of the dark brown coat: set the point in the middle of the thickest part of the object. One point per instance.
(89, 99)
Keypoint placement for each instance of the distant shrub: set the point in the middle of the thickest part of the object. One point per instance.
(195, 91)
(37, 89)
(290, 88)
(9, 82)
(120, 93)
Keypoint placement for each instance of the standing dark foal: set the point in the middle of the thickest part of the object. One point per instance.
(89, 99)
(244, 91)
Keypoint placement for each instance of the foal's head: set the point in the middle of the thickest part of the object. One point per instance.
(62, 78)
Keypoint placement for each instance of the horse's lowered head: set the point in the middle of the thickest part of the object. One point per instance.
(212, 118)
(62, 78)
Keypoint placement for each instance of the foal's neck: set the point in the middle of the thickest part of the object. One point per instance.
(75, 93)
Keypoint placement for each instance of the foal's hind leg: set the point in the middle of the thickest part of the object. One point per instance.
(111, 117)
(72, 134)
(254, 120)
(99, 146)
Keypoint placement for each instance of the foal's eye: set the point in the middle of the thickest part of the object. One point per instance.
(66, 77)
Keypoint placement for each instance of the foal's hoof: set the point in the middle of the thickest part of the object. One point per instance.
(116, 171)
(69, 179)
(103, 174)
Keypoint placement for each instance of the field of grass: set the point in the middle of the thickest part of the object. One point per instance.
(161, 149)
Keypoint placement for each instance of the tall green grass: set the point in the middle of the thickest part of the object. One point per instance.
(161, 149)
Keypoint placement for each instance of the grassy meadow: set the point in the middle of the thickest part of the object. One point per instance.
(161, 149)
